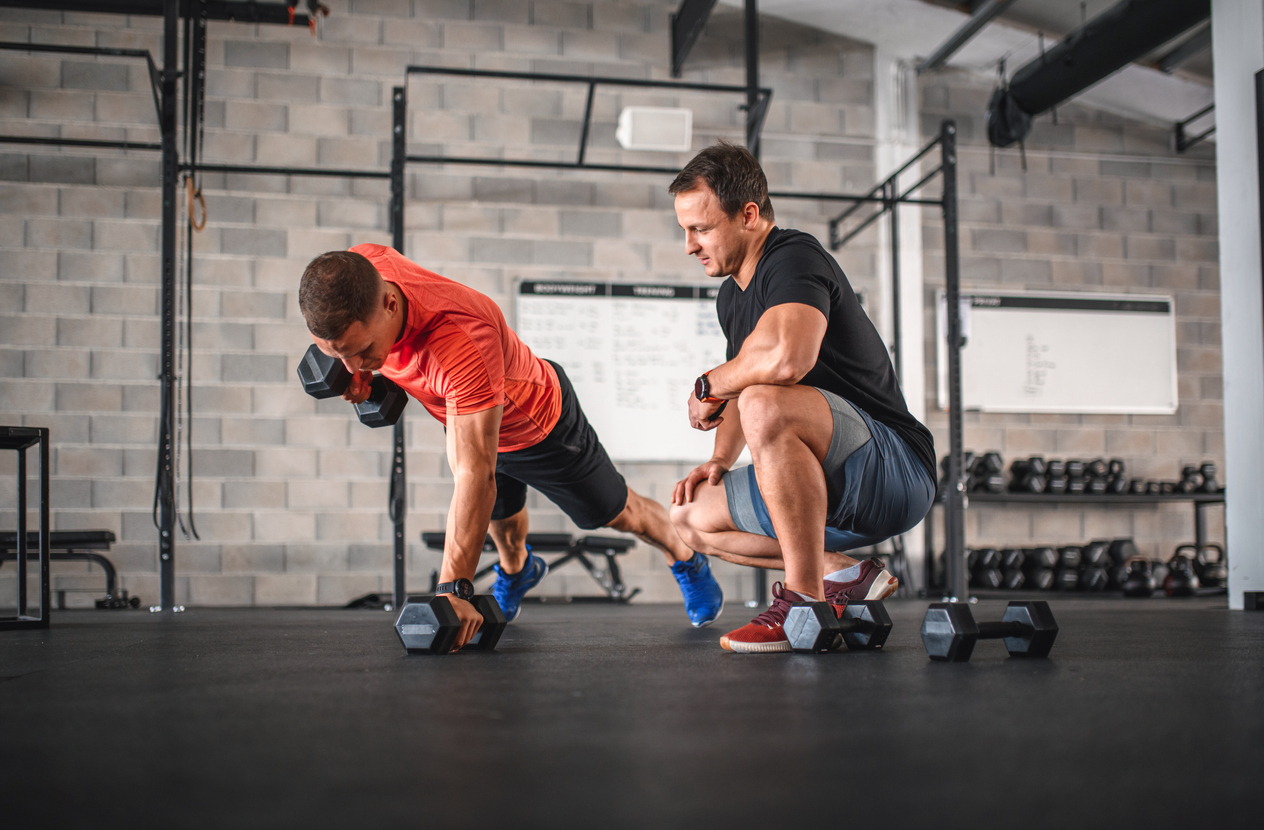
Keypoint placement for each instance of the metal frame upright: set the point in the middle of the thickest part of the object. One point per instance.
(956, 501)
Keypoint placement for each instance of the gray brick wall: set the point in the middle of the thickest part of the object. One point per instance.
(1102, 206)
(290, 492)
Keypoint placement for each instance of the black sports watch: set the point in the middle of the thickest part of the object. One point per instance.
(460, 588)
(702, 391)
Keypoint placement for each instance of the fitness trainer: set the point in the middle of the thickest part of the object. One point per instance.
(511, 418)
(839, 463)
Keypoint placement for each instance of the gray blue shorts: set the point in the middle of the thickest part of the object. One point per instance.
(878, 491)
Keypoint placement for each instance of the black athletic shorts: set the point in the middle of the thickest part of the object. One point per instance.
(569, 466)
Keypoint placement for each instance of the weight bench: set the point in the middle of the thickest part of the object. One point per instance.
(74, 545)
(572, 549)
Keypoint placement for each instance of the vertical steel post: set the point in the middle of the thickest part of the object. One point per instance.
(893, 203)
(752, 144)
(45, 537)
(398, 507)
(21, 540)
(752, 77)
(954, 509)
(167, 407)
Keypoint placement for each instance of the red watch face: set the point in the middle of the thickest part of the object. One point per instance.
(700, 389)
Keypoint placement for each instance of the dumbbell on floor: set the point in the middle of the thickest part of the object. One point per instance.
(429, 625)
(949, 631)
(813, 627)
(326, 377)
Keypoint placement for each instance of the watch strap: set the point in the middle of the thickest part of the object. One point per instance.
(453, 588)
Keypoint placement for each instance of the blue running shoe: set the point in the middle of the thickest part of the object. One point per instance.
(508, 589)
(703, 598)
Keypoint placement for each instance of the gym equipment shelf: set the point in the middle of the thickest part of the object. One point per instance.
(1200, 501)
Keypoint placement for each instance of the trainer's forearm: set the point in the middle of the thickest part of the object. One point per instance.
(783, 347)
(468, 518)
(729, 438)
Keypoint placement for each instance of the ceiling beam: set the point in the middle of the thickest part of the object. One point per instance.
(243, 12)
(1200, 42)
(986, 13)
(686, 25)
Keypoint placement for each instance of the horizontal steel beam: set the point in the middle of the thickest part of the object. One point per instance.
(79, 142)
(986, 13)
(1200, 42)
(579, 79)
(243, 12)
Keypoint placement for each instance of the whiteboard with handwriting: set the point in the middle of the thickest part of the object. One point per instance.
(1063, 352)
(632, 352)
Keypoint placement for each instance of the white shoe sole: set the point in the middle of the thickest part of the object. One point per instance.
(754, 648)
(883, 586)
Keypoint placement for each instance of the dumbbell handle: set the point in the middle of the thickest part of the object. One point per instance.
(1001, 630)
(855, 624)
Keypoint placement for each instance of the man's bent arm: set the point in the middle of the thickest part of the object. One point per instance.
(471, 443)
(782, 349)
(729, 439)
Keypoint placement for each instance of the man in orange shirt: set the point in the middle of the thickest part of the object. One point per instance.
(512, 420)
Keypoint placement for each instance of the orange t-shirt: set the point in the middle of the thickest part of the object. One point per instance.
(458, 352)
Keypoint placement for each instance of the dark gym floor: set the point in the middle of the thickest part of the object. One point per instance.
(1148, 714)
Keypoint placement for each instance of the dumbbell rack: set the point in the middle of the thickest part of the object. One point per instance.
(1200, 501)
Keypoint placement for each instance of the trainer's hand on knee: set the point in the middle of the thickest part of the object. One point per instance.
(712, 472)
(470, 619)
(358, 390)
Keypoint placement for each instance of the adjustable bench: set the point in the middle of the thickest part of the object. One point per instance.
(74, 545)
(572, 549)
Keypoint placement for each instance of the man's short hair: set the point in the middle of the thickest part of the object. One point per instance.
(338, 288)
(732, 173)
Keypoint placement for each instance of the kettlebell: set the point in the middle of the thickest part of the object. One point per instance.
(1210, 564)
(1139, 581)
(1181, 581)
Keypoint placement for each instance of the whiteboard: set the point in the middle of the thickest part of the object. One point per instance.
(1063, 352)
(632, 352)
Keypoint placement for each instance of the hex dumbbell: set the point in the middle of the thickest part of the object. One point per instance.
(813, 627)
(429, 625)
(326, 377)
(949, 631)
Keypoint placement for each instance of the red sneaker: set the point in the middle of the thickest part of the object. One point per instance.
(874, 582)
(763, 633)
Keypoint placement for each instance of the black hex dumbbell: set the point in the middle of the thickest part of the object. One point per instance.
(986, 473)
(1028, 475)
(949, 631)
(1038, 568)
(1191, 480)
(429, 625)
(326, 377)
(813, 627)
(1012, 562)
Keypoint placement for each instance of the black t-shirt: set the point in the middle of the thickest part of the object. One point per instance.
(853, 362)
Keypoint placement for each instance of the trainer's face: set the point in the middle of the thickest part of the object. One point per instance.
(364, 346)
(715, 239)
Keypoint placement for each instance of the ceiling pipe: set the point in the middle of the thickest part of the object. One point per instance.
(1101, 47)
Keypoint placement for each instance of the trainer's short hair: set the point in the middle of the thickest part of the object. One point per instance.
(338, 288)
(732, 173)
